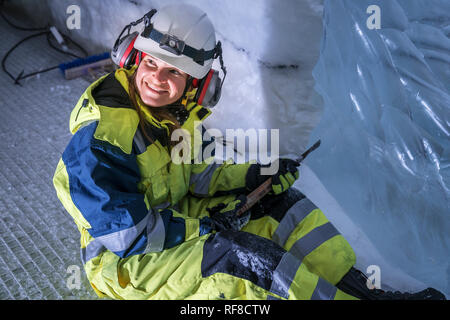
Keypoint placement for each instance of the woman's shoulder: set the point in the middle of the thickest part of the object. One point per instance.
(107, 103)
(110, 92)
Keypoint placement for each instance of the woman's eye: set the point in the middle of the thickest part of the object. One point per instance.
(151, 62)
(176, 72)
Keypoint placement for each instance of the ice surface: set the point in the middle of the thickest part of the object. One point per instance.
(385, 128)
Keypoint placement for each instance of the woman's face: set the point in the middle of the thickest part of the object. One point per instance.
(158, 83)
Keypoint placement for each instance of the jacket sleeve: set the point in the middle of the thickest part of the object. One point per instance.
(212, 178)
(103, 183)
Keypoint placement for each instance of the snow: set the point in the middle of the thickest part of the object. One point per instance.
(380, 177)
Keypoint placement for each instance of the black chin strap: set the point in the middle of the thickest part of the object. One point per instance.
(218, 54)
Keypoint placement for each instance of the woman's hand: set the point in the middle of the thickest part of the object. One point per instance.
(282, 180)
(225, 217)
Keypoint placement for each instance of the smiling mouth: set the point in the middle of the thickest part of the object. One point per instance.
(155, 90)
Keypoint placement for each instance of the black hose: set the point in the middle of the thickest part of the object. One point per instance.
(46, 31)
(16, 79)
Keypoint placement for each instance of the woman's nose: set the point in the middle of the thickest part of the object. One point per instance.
(160, 75)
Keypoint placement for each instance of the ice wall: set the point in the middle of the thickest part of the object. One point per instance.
(385, 130)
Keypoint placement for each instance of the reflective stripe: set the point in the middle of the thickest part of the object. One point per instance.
(203, 179)
(284, 274)
(305, 245)
(122, 240)
(324, 291)
(291, 219)
(156, 233)
(93, 249)
(138, 139)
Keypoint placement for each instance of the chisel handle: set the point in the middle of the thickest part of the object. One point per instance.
(266, 186)
(256, 195)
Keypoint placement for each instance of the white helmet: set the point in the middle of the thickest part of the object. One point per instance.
(180, 35)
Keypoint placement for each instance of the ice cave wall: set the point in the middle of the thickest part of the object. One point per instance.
(386, 126)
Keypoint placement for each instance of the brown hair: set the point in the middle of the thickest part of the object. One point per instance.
(159, 113)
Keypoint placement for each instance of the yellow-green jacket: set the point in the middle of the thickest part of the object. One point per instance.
(123, 190)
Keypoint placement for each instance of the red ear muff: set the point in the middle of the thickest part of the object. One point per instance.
(204, 86)
(209, 89)
(141, 55)
(124, 53)
(128, 55)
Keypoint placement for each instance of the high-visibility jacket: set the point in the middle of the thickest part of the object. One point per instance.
(113, 181)
(145, 231)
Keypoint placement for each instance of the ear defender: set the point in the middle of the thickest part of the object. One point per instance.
(124, 53)
(208, 89)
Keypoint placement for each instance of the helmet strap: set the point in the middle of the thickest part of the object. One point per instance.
(147, 21)
(218, 54)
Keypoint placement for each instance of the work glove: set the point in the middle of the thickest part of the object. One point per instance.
(224, 216)
(285, 177)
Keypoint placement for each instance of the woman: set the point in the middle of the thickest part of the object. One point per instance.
(154, 228)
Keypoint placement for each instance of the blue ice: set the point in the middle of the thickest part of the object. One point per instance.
(385, 154)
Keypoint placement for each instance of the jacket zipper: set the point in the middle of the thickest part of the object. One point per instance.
(85, 102)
